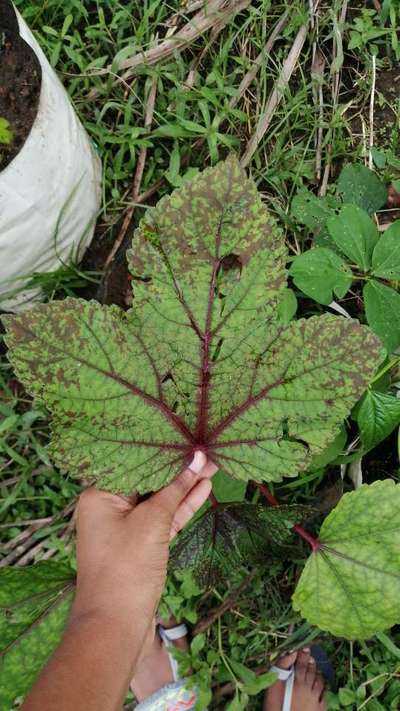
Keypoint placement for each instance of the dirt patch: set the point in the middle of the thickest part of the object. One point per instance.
(20, 82)
(387, 88)
(114, 286)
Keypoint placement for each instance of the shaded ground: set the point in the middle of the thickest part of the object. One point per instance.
(20, 82)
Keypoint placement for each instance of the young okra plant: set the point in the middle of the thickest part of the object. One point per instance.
(204, 360)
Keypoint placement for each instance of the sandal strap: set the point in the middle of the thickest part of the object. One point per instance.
(174, 633)
(283, 674)
(168, 636)
(288, 676)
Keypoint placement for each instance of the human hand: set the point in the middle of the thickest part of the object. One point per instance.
(122, 547)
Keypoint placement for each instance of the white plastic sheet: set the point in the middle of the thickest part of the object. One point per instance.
(49, 194)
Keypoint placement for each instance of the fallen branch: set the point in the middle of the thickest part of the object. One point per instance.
(335, 92)
(252, 73)
(371, 114)
(276, 94)
(208, 621)
(212, 12)
(137, 178)
(25, 541)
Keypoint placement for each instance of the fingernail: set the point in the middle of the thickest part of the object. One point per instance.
(306, 650)
(198, 462)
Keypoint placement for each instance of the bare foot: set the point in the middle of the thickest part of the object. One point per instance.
(308, 687)
(153, 670)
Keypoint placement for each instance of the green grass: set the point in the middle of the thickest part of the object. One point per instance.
(81, 38)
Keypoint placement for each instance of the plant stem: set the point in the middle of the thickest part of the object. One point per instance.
(313, 542)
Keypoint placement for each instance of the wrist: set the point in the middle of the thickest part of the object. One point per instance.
(130, 608)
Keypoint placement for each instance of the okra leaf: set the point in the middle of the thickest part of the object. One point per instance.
(34, 606)
(351, 585)
(229, 535)
(202, 360)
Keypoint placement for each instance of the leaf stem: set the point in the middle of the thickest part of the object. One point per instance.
(313, 542)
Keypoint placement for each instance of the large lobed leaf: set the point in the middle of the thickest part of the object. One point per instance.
(202, 360)
(34, 605)
(227, 536)
(351, 585)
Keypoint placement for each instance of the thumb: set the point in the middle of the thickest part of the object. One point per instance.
(168, 499)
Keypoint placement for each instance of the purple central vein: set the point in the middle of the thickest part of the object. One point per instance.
(205, 374)
(238, 411)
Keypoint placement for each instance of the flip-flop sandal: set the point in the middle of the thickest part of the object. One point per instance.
(173, 696)
(323, 665)
(169, 635)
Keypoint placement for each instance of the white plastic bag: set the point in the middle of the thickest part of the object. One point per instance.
(49, 194)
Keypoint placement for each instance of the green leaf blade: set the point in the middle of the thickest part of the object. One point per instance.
(362, 187)
(386, 255)
(320, 273)
(34, 606)
(355, 234)
(377, 417)
(382, 308)
(351, 586)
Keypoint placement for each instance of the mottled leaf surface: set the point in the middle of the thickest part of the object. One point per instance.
(351, 586)
(229, 535)
(34, 605)
(202, 360)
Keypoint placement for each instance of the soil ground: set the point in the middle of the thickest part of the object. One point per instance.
(20, 82)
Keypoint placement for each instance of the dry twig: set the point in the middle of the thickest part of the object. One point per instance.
(23, 546)
(276, 94)
(140, 165)
(371, 114)
(212, 12)
(208, 621)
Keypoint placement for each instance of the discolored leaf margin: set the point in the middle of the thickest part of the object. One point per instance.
(350, 587)
(202, 360)
(227, 536)
(34, 606)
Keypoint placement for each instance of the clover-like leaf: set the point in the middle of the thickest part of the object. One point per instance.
(360, 186)
(356, 235)
(34, 605)
(202, 360)
(321, 274)
(226, 536)
(382, 308)
(386, 255)
(351, 585)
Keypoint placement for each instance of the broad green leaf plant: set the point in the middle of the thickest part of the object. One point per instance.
(208, 358)
(358, 252)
